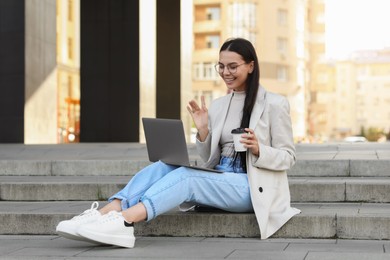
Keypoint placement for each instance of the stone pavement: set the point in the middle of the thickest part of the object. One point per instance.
(54, 247)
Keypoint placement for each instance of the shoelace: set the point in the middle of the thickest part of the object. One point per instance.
(94, 207)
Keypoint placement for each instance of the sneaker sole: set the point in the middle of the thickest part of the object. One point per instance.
(76, 237)
(122, 241)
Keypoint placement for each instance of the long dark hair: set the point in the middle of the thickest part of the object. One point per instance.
(245, 48)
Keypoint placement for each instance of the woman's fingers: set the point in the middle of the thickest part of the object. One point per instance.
(193, 106)
(250, 141)
(189, 109)
(203, 103)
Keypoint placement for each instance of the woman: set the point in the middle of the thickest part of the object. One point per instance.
(255, 180)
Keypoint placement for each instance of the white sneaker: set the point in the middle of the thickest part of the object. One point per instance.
(111, 229)
(68, 228)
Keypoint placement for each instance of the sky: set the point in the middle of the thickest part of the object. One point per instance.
(356, 25)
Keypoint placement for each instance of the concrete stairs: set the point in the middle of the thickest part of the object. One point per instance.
(343, 191)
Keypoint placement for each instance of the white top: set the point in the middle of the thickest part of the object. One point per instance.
(232, 120)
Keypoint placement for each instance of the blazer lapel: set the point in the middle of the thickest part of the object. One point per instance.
(258, 108)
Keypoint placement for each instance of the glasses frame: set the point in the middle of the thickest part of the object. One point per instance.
(227, 67)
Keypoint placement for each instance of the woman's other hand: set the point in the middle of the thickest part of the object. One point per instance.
(200, 117)
(250, 141)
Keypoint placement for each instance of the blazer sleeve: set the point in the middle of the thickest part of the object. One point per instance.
(280, 154)
(204, 148)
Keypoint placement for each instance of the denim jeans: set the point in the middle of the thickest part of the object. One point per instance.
(162, 187)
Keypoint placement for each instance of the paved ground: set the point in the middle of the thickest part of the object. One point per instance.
(53, 247)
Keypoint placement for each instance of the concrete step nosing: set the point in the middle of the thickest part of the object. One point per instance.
(96, 167)
(302, 190)
(305, 225)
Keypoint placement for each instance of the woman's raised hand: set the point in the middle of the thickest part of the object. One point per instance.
(200, 117)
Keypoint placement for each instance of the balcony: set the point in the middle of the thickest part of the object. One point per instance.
(206, 2)
(204, 55)
(208, 26)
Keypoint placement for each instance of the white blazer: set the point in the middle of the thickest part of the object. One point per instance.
(271, 122)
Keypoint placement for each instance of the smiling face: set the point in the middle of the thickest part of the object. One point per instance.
(235, 70)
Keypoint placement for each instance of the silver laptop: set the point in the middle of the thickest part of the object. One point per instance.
(165, 141)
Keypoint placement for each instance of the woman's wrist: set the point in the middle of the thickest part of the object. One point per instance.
(202, 134)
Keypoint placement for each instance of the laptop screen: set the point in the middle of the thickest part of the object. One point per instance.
(165, 140)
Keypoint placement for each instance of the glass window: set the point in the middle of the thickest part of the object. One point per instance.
(213, 13)
(282, 17)
(242, 22)
(322, 78)
(282, 45)
(70, 10)
(212, 41)
(281, 73)
(70, 48)
(205, 71)
(197, 70)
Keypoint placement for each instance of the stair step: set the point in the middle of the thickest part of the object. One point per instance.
(78, 188)
(344, 189)
(126, 167)
(317, 220)
(341, 168)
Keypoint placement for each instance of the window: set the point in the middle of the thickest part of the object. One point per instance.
(208, 71)
(363, 71)
(70, 48)
(242, 22)
(213, 13)
(322, 78)
(212, 41)
(205, 71)
(282, 45)
(70, 86)
(282, 17)
(281, 73)
(320, 18)
(70, 10)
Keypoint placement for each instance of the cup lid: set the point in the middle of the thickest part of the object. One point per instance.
(238, 131)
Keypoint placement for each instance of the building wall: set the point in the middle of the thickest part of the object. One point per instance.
(357, 95)
(319, 82)
(373, 92)
(186, 95)
(12, 70)
(109, 66)
(276, 28)
(68, 66)
(147, 62)
(344, 99)
(40, 111)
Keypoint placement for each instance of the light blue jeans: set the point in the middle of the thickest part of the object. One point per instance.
(162, 187)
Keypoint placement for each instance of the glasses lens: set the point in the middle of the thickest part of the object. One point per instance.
(232, 68)
(219, 68)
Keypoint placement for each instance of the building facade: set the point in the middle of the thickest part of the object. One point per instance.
(361, 96)
(68, 70)
(278, 31)
(319, 78)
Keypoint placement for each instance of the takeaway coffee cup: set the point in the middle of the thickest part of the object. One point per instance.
(238, 147)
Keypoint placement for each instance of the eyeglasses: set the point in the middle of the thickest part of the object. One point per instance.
(232, 67)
